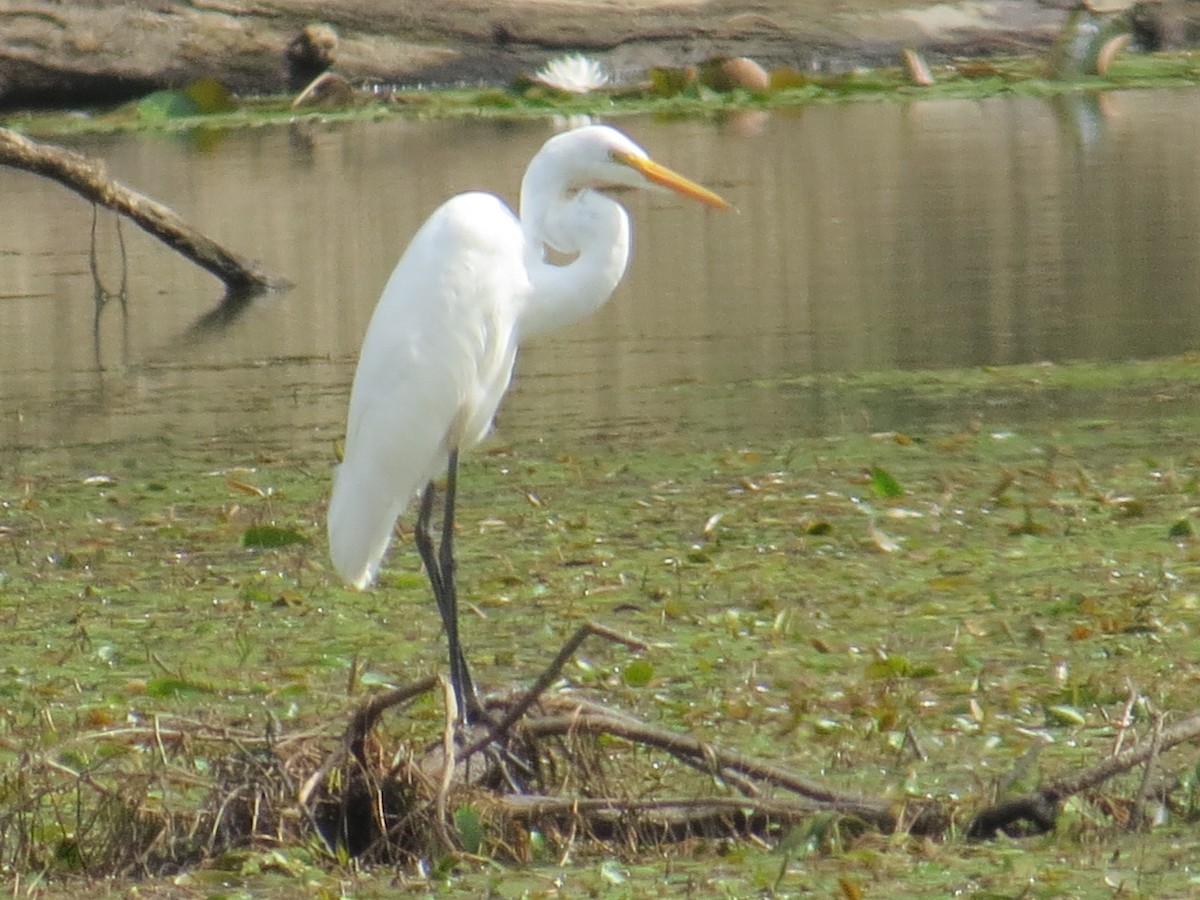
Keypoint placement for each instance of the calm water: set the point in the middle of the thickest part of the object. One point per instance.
(870, 237)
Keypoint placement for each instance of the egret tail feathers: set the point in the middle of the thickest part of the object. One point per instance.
(361, 519)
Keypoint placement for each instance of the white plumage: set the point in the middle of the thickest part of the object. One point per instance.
(430, 375)
(439, 351)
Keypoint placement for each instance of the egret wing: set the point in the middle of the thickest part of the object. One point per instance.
(435, 362)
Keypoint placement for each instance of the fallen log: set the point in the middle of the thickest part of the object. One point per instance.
(89, 178)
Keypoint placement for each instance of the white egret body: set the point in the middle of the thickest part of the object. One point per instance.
(438, 354)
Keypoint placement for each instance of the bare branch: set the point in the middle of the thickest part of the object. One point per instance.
(89, 178)
(1040, 809)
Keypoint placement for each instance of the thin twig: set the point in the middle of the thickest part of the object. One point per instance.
(449, 761)
(498, 731)
(368, 714)
(1171, 736)
(1137, 815)
(1125, 722)
(704, 763)
(910, 738)
(355, 737)
(530, 806)
(878, 813)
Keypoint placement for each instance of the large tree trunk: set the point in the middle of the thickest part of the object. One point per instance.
(101, 50)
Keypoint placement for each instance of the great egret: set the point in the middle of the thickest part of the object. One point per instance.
(438, 354)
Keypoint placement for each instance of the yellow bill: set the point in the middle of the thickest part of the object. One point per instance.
(663, 176)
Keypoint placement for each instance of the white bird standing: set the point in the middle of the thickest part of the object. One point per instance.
(438, 354)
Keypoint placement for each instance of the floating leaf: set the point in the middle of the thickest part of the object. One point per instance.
(253, 490)
(1064, 715)
(209, 96)
(1181, 528)
(899, 667)
(638, 673)
(174, 686)
(884, 483)
(470, 829)
(271, 536)
(200, 97)
(888, 667)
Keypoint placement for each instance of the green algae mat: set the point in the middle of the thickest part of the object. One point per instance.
(949, 585)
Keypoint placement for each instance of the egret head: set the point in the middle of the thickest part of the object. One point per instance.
(599, 157)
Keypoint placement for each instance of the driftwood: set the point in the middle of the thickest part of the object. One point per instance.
(391, 802)
(407, 802)
(1038, 811)
(89, 178)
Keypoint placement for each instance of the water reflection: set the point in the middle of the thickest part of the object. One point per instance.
(871, 236)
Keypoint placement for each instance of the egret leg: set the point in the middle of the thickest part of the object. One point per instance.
(440, 566)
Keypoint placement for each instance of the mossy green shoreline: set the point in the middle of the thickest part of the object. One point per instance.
(966, 79)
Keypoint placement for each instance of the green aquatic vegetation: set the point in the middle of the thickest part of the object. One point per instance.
(204, 108)
(956, 595)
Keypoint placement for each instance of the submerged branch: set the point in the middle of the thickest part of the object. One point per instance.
(89, 178)
(720, 762)
(1040, 809)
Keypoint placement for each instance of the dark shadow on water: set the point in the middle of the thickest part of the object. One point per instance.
(232, 307)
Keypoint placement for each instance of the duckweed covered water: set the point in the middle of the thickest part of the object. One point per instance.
(951, 609)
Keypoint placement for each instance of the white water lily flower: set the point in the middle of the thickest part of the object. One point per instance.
(573, 73)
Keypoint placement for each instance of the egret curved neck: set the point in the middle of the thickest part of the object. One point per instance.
(594, 228)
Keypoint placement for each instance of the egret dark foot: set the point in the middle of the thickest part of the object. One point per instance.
(513, 771)
(514, 768)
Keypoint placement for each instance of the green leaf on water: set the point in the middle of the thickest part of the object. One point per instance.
(884, 483)
(173, 686)
(470, 829)
(899, 667)
(1061, 714)
(638, 673)
(271, 536)
(200, 97)
(889, 667)
(1181, 528)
